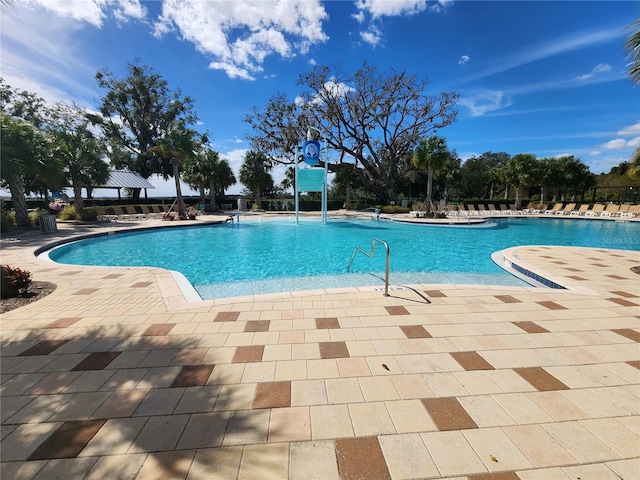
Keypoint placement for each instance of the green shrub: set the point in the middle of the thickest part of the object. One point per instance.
(89, 214)
(7, 221)
(394, 209)
(69, 213)
(14, 281)
(34, 216)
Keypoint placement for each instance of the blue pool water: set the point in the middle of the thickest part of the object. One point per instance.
(263, 256)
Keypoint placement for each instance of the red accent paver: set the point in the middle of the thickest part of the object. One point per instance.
(448, 414)
(620, 293)
(494, 476)
(86, 291)
(628, 333)
(415, 331)
(508, 299)
(272, 395)
(43, 348)
(158, 329)
(327, 323)
(193, 376)
(434, 293)
(333, 350)
(361, 458)
(623, 302)
(68, 440)
(227, 316)
(96, 361)
(397, 310)
(530, 327)
(540, 379)
(257, 326)
(248, 354)
(141, 284)
(64, 322)
(471, 361)
(552, 305)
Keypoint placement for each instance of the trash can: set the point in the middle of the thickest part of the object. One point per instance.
(48, 224)
(242, 204)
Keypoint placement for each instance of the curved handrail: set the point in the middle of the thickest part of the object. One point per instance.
(371, 255)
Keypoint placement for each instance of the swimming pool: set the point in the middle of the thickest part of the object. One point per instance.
(265, 256)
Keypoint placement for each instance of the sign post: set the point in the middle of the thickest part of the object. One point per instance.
(312, 179)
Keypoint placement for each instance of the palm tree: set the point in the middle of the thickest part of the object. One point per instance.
(450, 171)
(22, 156)
(80, 152)
(176, 145)
(207, 170)
(633, 47)
(634, 167)
(430, 155)
(254, 174)
(520, 172)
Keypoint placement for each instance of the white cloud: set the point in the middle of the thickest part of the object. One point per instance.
(600, 68)
(484, 101)
(92, 12)
(382, 8)
(312, 61)
(239, 35)
(373, 36)
(630, 130)
(595, 153)
(617, 144)
(634, 142)
(463, 59)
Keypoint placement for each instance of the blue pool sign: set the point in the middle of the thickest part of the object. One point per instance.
(311, 152)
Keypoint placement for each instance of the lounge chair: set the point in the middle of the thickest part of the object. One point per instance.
(418, 210)
(623, 209)
(633, 211)
(504, 209)
(471, 208)
(595, 211)
(610, 210)
(567, 209)
(539, 209)
(553, 210)
(492, 210)
(581, 211)
(529, 208)
(103, 215)
(514, 210)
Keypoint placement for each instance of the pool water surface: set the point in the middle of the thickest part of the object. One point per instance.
(265, 256)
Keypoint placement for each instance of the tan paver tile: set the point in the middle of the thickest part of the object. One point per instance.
(330, 421)
(625, 468)
(371, 418)
(167, 465)
(290, 424)
(579, 442)
(121, 404)
(159, 401)
(445, 384)
(411, 386)
(80, 407)
(198, 399)
(322, 368)
(557, 406)
(22, 442)
(522, 409)
(410, 416)
(353, 367)
(452, 453)
(39, 409)
(204, 430)
(259, 372)
(226, 460)
(544, 474)
(492, 443)
(115, 437)
(247, 427)
(313, 460)
(343, 390)
(407, 456)
(539, 446)
(65, 468)
(264, 462)
(125, 467)
(378, 389)
(308, 392)
(160, 433)
(236, 397)
(361, 458)
(616, 436)
(593, 404)
(291, 370)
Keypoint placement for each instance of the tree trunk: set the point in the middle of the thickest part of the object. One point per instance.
(182, 209)
(519, 192)
(77, 198)
(506, 192)
(543, 194)
(429, 200)
(347, 201)
(212, 196)
(202, 195)
(256, 197)
(16, 187)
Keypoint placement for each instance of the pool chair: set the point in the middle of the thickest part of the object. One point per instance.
(514, 210)
(504, 210)
(633, 211)
(539, 209)
(103, 215)
(567, 209)
(610, 210)
(419, 210)
(595, 211)
(623, 209)
(581, 211)
(471, 208)
(529, 208)
(553, 210)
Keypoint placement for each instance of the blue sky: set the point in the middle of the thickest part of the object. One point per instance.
(547, 78)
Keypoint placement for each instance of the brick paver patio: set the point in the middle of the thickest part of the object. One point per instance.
(118, 375)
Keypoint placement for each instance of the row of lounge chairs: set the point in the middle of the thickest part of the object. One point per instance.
(559, 209)
(124, 213)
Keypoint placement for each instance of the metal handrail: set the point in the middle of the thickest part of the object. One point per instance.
(371, 255)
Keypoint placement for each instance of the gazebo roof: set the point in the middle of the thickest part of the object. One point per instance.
(125, 179)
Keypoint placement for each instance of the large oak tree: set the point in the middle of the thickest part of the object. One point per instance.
(375, 117)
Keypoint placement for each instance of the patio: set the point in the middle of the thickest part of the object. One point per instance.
(118, 375)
